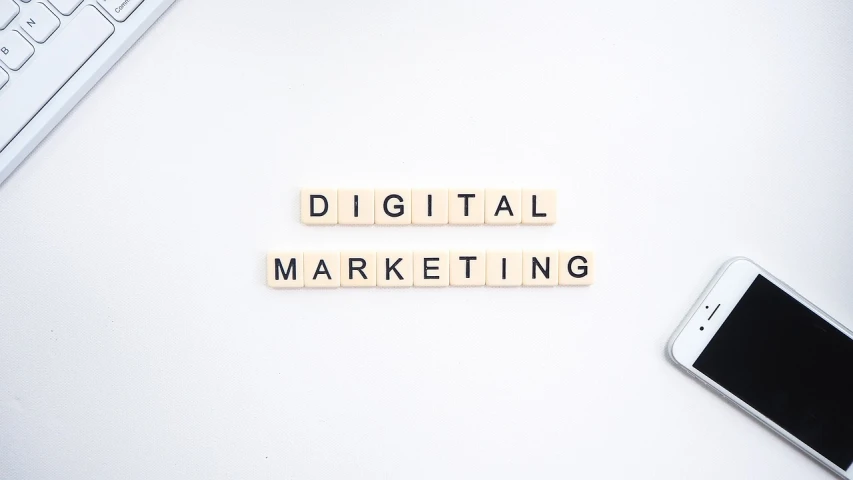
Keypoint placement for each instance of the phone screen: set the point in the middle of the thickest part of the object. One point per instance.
(785, 361)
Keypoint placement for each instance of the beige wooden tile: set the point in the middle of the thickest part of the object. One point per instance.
(467, 267)
(539, 206)
(322, 269)
(465, 206)
(540, 268)
(503, 206)
(431, 268)
(319, 206)
(429, 206)
(394, 268)
(503, 268)
(358, 269)
(355, 206)
(392, 206)
(284, 270)
(577, 267)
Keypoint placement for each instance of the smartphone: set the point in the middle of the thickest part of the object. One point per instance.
(768, 350)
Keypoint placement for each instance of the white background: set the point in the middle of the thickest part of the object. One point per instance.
(138, 338)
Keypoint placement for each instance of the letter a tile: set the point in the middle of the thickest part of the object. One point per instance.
(322, 269)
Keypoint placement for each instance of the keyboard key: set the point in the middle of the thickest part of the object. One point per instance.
(66, 7)
(51, 69)
(8, 10)
(14, 50)
(120, 9)
(38, 22)
(3, 78)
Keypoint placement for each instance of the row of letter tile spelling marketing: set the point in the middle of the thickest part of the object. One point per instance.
(460, 206)
(429, 268)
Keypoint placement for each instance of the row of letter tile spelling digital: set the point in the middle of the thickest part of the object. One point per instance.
(429, 268)
(428, 206)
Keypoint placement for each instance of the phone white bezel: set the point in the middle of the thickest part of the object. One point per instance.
(722, 294)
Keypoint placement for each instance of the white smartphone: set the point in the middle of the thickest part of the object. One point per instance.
(761, 345)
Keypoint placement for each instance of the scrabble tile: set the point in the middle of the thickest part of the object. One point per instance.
(355, 206)
(429, 206)
(358, 269)
(540, 268)
(284, 270)
(465, 206)
(392, 206)
(503, 268)
(394, 269)
(319, 206)
(539, 206)
(431, 268)
(467, 267)
(577, 268)
(322, 269)
(503, 207)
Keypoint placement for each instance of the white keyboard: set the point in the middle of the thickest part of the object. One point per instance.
(51, 53)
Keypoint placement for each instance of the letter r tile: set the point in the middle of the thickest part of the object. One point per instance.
(358, 269)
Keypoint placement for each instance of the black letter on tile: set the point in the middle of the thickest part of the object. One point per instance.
(535, 214)
(360, 269)
(503, 268)
(582, 268)
(466, 196)
(545, 271)
(427, 268)
(389, 267)
(325, 205)
(429, 205)
(504, 205)
(322, 269)
(467, 265)
(291, 267)
(355, 208)
(398, 208)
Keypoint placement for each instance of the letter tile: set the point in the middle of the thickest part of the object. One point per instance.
(503, 207)
(394, 269)
(284, 270)
(393, 206)
(503, 268)
(322, 269)
(465, 206)
(355, 206)
(430, 268)
(539, 206)
(577, 268)
(429, 206)
(319, 206)
(467, 267)
(541, 268)
(358, 269)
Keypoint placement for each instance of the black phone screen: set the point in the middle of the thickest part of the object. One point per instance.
(794, 367)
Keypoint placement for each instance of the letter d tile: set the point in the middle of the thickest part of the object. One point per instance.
(319, 206)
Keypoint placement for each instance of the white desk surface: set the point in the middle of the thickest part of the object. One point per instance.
(139, 340)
